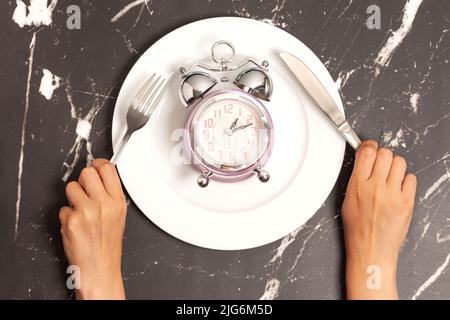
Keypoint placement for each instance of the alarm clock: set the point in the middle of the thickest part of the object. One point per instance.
(229, 132)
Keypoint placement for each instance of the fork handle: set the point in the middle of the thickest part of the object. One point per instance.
(120, 147)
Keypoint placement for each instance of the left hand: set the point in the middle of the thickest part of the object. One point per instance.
(92, 230)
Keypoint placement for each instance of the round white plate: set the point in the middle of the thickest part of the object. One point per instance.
(304, 165)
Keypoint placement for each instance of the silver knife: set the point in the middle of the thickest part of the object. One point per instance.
(320, 94)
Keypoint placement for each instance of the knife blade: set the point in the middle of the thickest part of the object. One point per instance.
(321, 96)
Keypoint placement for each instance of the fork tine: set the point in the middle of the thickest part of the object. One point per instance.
(140, 105)
(144, 98)
(144, 86)
(158, 97)
(143, 92)
(135, 104)
(149, 99)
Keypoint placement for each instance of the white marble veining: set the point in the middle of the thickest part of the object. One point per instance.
(432, 278)
(49, 83)
(437, 187)
(83, 129)
(128, 7)
(396, 37)
(23, 134)
(414, 100)
(276, 17)
(271, 290)
(37, 13)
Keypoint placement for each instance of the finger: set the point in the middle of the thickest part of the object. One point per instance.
(397, 172)
(91, 182)
(109, 176)
(382, 164)
(365, 158)
(409, 186)
(369, 143)
(64, 214)
(75, 194)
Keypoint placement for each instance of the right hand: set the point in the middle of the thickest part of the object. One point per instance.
(376, 214)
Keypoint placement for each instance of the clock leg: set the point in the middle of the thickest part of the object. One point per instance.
(263, 175)
(203, 179)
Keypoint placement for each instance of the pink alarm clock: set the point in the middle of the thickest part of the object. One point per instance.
(229, 132)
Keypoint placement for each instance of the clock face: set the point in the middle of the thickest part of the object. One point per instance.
(230, 132)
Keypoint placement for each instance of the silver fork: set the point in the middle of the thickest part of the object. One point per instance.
(141, 109)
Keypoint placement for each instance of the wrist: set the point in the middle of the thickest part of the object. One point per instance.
(100, 287)
(372, 255)
(371, 279)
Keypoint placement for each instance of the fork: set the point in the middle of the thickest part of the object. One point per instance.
(141, 109)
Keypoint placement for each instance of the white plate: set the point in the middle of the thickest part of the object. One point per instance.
(304, 165)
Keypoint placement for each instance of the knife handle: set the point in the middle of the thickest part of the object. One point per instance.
(350, 135)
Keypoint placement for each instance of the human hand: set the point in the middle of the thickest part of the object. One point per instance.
(92, 230)
(376, 214)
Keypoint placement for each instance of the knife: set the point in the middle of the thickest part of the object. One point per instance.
(320, 94)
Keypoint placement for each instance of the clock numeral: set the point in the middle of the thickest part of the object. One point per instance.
(253, 131)
(228, 108)
(217, 113)
(249, 118)
(206, 134)
(209, 123)
(211, 146)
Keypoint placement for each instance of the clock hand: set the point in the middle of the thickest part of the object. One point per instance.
(234, 124)
(229, 131)
(241, 127)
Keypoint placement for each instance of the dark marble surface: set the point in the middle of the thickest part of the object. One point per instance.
(395, 84)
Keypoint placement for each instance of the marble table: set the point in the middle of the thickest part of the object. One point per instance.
(58, 89)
